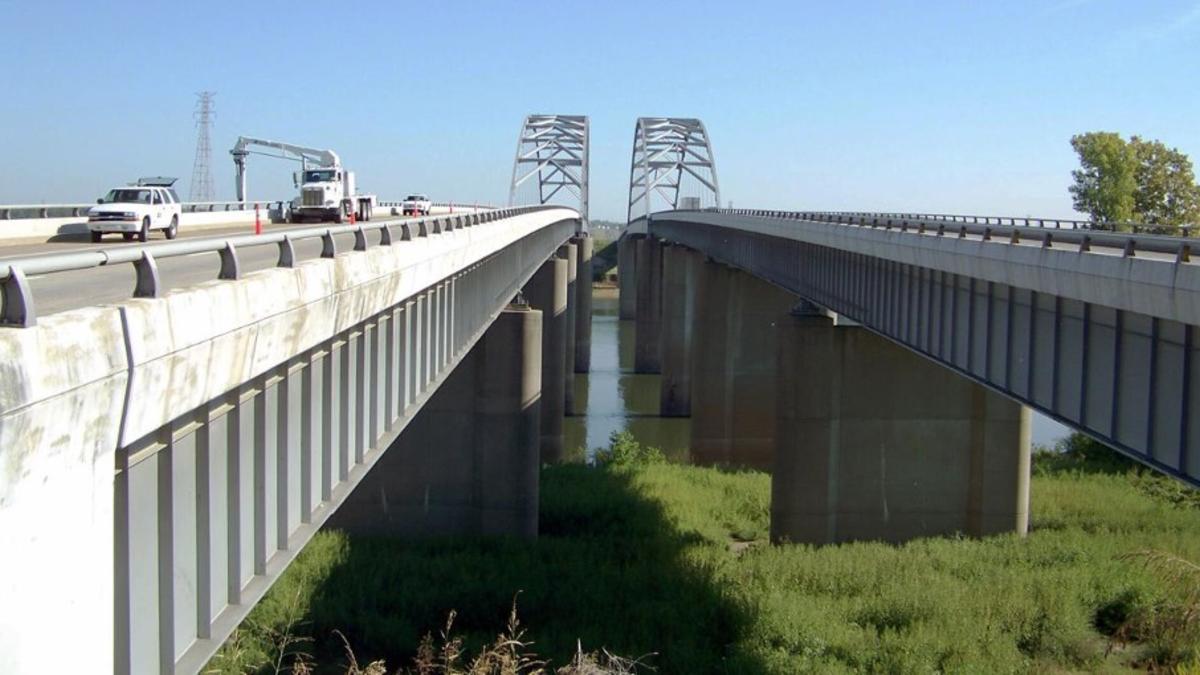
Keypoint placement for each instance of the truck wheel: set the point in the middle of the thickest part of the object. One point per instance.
(96, 236)
(144, 233)
(173, 228)
(337, 217)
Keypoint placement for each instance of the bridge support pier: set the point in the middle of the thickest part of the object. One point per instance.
(647, 349)
(876, 443)
(736, 323)
(570, 253)
(583, 302)
(680, 271)
(547, 292)
(468, 462)
(627, 276)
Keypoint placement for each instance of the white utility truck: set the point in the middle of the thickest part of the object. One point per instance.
(134, 210)
(416, 205)
(327, 189)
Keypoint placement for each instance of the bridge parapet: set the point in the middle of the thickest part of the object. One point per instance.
(205, 434)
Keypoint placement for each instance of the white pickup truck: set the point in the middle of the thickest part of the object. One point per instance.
(134, 210)
(416, 205)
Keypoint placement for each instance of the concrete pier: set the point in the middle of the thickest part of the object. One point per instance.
(547, 292)
(570, 253)
(736, 324)
(468, 463)
(627, 277)
(584, 245)
(647, 355)
(877, 443)
(680, 276)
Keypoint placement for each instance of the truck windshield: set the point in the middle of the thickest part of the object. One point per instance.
(318, 176)
(127, 196)
(414, 198)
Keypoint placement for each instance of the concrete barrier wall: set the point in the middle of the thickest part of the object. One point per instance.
(82, 384)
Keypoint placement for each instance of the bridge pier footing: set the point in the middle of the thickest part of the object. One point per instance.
(876, 443)
(467, 464)
(627, 276)
(583, 302)
(547, 292)
(647, 343)
(570, 253)
(735, 324)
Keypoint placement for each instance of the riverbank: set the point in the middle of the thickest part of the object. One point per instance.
(671, 559)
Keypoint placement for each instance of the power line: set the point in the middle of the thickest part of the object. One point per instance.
(202, 188)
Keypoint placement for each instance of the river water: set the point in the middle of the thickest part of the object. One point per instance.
(613, 398)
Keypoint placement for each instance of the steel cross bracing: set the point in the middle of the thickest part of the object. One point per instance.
(554, 149)
(665, 151)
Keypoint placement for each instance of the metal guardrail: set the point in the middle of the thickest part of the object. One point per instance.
(16, 298)
(1047, 236)
(1056, 223)
(22, 211)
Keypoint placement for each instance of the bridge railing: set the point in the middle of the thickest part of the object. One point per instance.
(1016, 231)
(17, 298)
(1027, 221)
(30, 211)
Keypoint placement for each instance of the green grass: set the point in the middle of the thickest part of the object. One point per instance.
(642, 556)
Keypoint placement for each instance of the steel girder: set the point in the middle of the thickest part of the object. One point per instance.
(1115, 363)
(554, 148)
(665, 150)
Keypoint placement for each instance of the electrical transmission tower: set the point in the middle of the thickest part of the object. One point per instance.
(202, 187)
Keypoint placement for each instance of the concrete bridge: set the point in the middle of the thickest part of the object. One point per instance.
(165, 457)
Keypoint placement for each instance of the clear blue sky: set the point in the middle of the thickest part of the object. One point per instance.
(941, 106)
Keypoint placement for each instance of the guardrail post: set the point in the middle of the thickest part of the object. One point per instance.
(287, 253)
(328, 247)
(147, 285)
(360, 239)
(18, 300)
(229, 263)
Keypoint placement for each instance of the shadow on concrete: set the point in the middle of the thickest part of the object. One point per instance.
(608, 571)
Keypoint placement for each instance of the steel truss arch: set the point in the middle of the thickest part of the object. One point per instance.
(554, 149)
(666, 150)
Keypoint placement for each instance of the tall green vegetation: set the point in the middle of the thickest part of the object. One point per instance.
(645, 557)
(1137, 180)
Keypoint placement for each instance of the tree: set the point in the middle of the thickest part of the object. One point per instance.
(1106, 181)
(1166, 193)
(1136, 180)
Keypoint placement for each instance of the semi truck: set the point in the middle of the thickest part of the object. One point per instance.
(327, 189)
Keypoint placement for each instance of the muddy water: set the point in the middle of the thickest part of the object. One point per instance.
(613, 398)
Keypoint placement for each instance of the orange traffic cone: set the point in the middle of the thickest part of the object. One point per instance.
(257, 220)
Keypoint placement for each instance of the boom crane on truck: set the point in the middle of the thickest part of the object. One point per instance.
(327, 190)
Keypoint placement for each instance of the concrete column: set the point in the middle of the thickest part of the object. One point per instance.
(583, 302)
(547, 292)
(647, 355)
(627, 276)
(736, 328)
(569, 252)
(468, 462)
(877, 443)
(679, 270)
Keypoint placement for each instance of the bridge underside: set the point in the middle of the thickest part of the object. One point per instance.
(1057, 330)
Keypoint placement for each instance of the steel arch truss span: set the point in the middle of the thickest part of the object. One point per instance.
(666, 152)
(554, 150)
